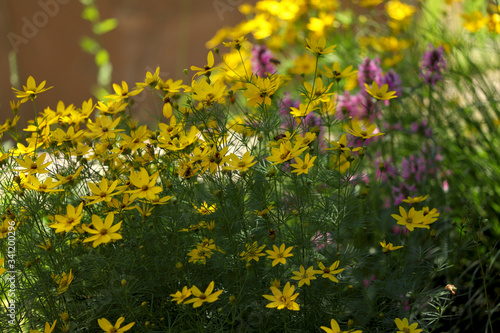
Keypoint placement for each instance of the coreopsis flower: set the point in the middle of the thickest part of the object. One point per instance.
(122, 92)
(279, 255)
(388, 247)
(474, 21)
(200, 254)
(430, 215)
(302, 111)
(48, 328)
(46, 187)
(336, 73)
(432, 65)
(253, 252)
(413, 200)
(102, 191)
(328, 272)
(203, 297)
(335, 328)
(30, 166)
(285, 299)
(63, 281)
(151, 79)
(405, 327)
(370, 3)
(6, 227)
(303, 166)
(318, 46)
(205, 209)
(2, 270)
(31, 90)
(412, 219)
(180, 296)
(209, 93)
(242, 165)
(318, 92)
(47, 246)
(145, 185)
(236, 43)
(285, 152)
(380, 93)
(206, 69)
(64, 223)
(103, 128)
(305, 276)
(260, 90)
(104, 232)
(108, 328)
(338, 145)
(368, 132)
(70, 136)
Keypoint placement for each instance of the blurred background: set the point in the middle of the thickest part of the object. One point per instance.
(67, 43)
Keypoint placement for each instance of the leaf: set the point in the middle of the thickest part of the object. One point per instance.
(89, 45)
(90, 13)
(101, 57)
(105, 26)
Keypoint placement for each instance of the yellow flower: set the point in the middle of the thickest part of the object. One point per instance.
(370, 3)
(405, 327)
(380, 93)
(366, 133)
(2, 270)
(48, 328)
(303, 64)
(46, 187)
(413, 200)
(180, 296)
(122, 92)
(108, 328)
(285, 299)
(430, 216)
(335, 328)
(64, 281)
(328, 272)
(388, 247)
(474, 21)
(253, 252)
(151, 79)
(317, 46)
(207, 68)
(305, 276)
(103, 232)
(205, 209)
(30, 90)
(103, 128)
(260, 90)
(303, 166)
(242, 165)
(280, 254)
(399, 11)
(145, 185)
(69, 178)
(66, 222)
(236, 43)
(302, 111)
(31, 166)
(102, 191)
(285, 152)
(336, 73)
(207, 296)
(338, 145)
(47, 246)
(412, 219)
(209, 93)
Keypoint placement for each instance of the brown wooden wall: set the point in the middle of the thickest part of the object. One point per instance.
(45, 36)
